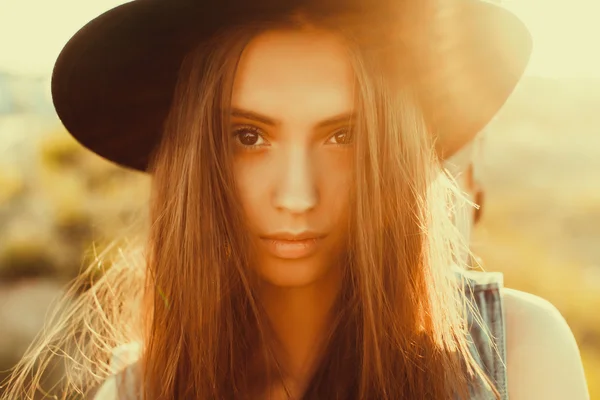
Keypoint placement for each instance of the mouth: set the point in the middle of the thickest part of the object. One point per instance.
(293, 246)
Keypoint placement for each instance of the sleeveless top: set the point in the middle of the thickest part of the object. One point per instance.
(487, 338)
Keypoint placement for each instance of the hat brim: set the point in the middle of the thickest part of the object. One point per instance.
(113, 82)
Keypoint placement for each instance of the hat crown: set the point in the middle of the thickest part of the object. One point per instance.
(113, 82)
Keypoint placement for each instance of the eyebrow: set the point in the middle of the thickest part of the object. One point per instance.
(238, 112)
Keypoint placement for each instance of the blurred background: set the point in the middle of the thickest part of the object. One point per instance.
(540, 169)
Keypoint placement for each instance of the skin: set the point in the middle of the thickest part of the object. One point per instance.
(293, 167)
(295, 176)
(543, 360)
(461, 168)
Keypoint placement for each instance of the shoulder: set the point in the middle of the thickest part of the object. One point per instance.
(123, 365)
(543, 361)
(108, 390)
(124, 385)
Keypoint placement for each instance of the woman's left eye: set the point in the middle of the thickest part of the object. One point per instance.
(341, 137)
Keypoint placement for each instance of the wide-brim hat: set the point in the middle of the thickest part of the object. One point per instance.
(113, 82)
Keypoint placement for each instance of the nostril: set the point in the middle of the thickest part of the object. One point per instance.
(296, 203)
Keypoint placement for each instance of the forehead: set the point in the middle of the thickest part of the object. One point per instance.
(295, 73)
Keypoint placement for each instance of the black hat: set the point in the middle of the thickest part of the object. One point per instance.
(113, 82)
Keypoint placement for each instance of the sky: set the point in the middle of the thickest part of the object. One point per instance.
(565, 33)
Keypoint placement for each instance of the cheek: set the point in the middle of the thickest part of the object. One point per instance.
(337, 179)
(252, 187)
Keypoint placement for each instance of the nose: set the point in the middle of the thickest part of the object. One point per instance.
(296, 188)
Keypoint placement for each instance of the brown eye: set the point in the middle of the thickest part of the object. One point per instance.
(249, 136)
(342, 137)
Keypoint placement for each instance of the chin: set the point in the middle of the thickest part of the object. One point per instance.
(295, 273)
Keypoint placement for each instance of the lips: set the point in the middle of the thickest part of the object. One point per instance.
(293, 246)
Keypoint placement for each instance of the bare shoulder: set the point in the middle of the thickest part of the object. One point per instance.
(123, 362)
(543, 361)
(108, 390)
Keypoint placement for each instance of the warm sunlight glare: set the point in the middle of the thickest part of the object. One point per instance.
(32, 32)
(565, 33)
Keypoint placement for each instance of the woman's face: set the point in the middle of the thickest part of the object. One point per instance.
(292, 114)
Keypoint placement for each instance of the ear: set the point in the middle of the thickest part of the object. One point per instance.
(478, 193)
(479, 200)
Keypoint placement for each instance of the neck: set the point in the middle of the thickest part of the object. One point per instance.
(301, 320)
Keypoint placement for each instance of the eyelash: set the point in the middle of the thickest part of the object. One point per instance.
(348, 131)
(238, 130)
(241, 128)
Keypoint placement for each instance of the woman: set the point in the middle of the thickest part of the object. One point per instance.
(301, 243)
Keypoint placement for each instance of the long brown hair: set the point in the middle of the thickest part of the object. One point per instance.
(399, 327)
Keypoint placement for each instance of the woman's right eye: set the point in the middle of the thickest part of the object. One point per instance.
(249, 136)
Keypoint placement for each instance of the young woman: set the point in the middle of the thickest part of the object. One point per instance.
(301, 242)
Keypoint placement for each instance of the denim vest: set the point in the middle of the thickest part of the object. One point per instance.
(487, 330)
(486, 337)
